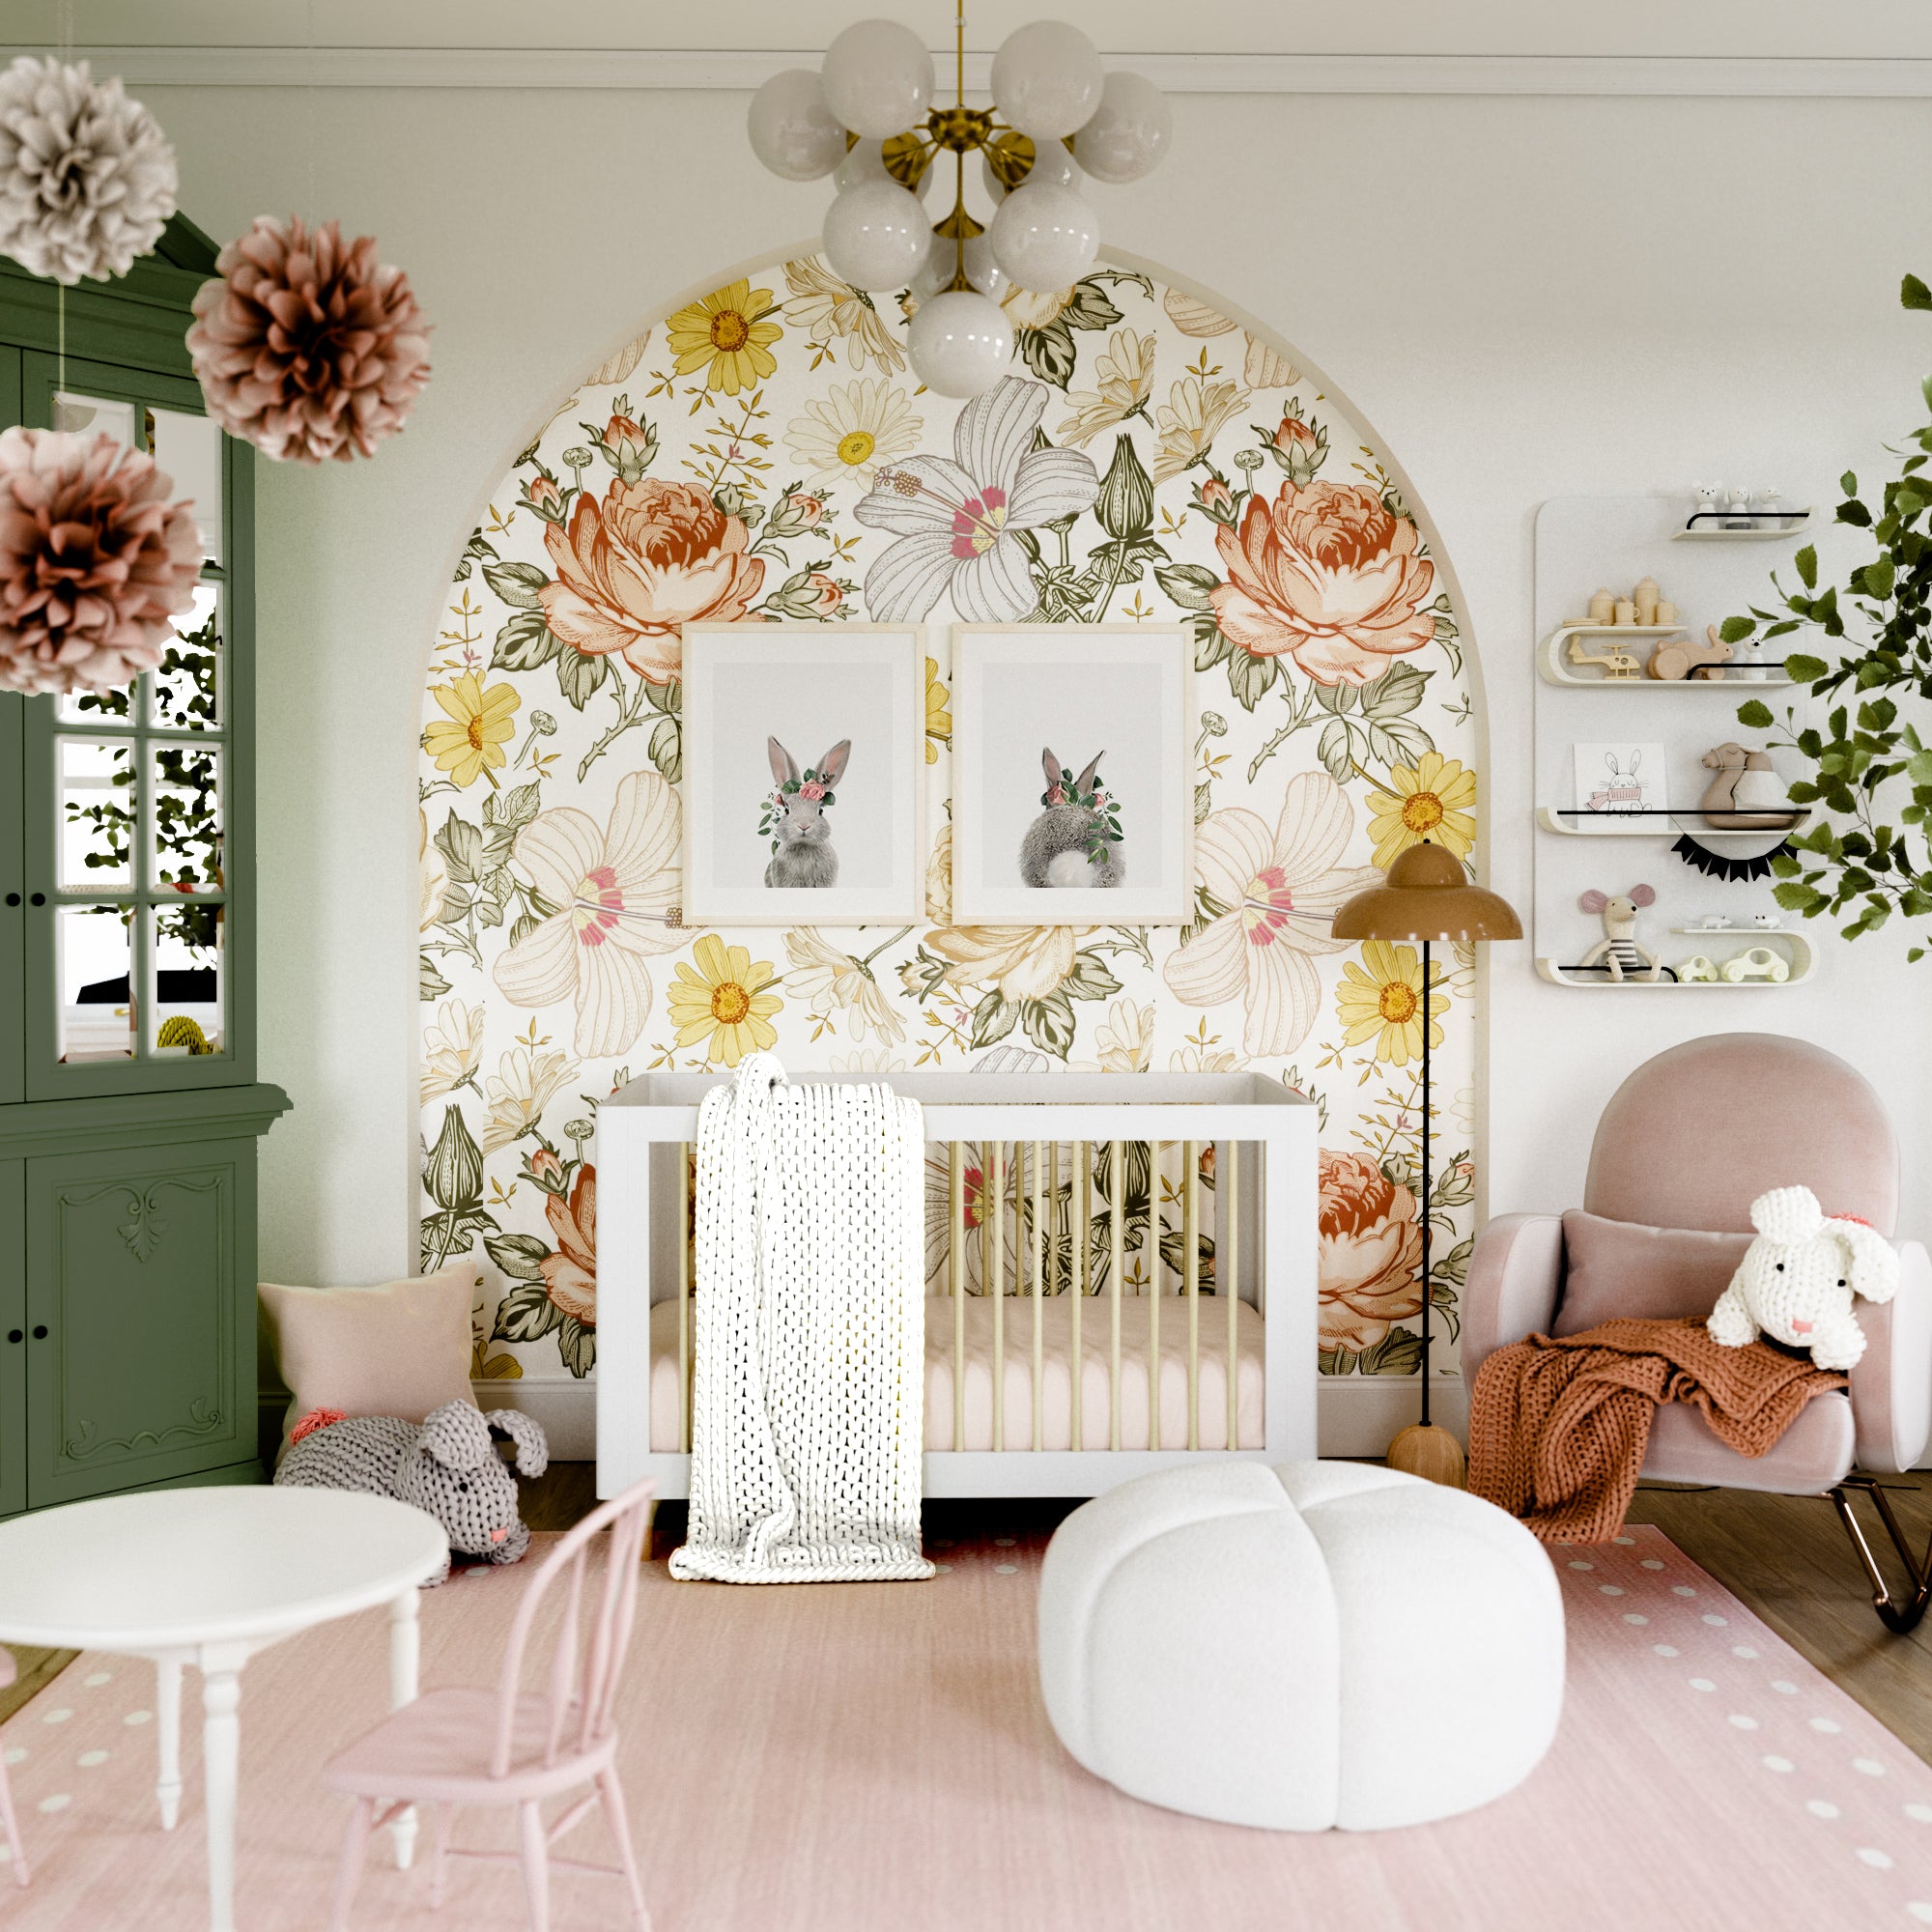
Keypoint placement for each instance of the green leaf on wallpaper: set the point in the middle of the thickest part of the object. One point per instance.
(430, 983)
(1203, 803)
(1088, 307)
(666, 748)
(1336, 1361)
(577, 1344)
(1049, 352)
(1049, 1022)
(1209, 645)
(1336, 750)
(1089, 978)
(517, 584)
(1398, 691)
(526, 1314)
(1397, 1353)
(993, 1019)
(460, 844)
(1335, 698)
(1190, 585)
(578, 677)
(520, 1255)
(511, 810)
(449, 1230)
(1250, 678)
(1399, 740)
(525, 644)
(1174, 1254)
(527, 924)
(493, 895)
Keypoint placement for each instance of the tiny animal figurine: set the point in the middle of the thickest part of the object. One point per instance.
(1709, 496)
(1679, 658)
(1714, 922)
(1739, 506)
(1618, 950)
(1759, 963)
(446, 1466)
(1798, 1280)
(1767, 922)
(1768, 502)
(1746, 795)
(1619, 666)
(795, 820)
(1076, 840)
(1696, 971)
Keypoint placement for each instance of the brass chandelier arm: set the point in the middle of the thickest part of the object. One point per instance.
(1900, 1614)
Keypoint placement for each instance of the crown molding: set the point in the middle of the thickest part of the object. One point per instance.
(740, 71)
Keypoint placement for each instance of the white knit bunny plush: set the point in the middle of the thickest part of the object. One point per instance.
(1798, 1279)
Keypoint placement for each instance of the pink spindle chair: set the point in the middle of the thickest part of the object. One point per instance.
(507, 1747)
(9, 1670)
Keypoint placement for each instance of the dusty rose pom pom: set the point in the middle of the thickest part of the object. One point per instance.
(306, 344)
(94, 560)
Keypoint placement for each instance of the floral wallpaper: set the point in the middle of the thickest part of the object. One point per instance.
(765, 454)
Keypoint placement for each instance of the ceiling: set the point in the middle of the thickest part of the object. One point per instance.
(1729, 30)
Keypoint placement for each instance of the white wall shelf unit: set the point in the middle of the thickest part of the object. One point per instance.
(1761, 527)
(1584, 543)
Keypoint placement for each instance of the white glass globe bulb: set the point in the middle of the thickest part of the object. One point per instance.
(878, 79)
(936, 272)
(1130, 133)
(877, 235)
(1050, 163)
(793, 133)
(981, 271)
(959, 343)
(866, 163)
(1045, 237)
(1048, 79)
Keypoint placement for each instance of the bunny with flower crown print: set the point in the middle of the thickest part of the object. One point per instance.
(1798, 1280)
(795, 820)
(1076, 840)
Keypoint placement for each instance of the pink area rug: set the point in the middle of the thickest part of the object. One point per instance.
(874, 1758)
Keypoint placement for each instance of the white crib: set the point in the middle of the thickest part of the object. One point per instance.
(1080, 1227)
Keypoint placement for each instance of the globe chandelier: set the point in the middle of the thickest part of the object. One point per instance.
(868, 119)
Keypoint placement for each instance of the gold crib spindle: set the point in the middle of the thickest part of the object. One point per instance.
(1227, 1272)
(684, 1298)
(996, 1278)
(956, 1279)
(1190, 1275)
(1083, 1183)
(1116, 1151)
(1037, 1242)
(1151, 1241)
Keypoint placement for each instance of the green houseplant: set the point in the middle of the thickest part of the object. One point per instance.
(1869, 769)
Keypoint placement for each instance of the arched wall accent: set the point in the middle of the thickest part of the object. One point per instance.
(713, 468)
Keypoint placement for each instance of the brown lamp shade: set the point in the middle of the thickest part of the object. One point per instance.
(1427, 896)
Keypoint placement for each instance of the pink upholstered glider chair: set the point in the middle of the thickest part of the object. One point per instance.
(9, 1829)
(1686, 1145)
(508, 1746)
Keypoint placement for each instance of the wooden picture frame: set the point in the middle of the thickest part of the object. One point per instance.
(1115, 702)
(746, 685)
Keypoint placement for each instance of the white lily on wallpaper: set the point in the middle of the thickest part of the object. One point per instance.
(1275, 894)
(612, 890)
(958, 519)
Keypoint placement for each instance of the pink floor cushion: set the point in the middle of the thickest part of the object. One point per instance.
(1322, 1644)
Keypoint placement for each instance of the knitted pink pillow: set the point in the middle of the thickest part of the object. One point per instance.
(401, 1348)
(1622, 1267)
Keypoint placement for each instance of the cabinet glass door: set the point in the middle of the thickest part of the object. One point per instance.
(131, 839)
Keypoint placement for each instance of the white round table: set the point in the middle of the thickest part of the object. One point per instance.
(209, 1577)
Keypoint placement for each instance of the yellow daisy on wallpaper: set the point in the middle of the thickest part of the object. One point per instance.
(469, 738)
(728, 331)
(723, 1001)
(1380, 999)
(1432, 799)
(938, 719)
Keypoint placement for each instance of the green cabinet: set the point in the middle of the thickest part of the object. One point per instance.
(130, 1108)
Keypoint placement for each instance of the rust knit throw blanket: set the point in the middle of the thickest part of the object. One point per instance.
(1558, 1424)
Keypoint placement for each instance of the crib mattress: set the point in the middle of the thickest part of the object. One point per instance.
(1056, 1377)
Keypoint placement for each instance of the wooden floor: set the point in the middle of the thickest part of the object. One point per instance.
(1784, 1557)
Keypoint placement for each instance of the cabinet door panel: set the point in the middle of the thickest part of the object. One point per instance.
(13, 899)
(12, 1353)
(140, 1265)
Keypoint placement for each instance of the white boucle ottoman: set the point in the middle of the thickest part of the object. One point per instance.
(1320, 1644)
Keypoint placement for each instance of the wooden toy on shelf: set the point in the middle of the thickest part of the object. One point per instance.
(1696, 971)
(1645, 598)
(1603, 606)
(1683, 658)
(1760, 962)
(1746, 795)
(1618, 950)
(1619, 666)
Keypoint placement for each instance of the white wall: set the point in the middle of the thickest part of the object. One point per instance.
(1525, 297)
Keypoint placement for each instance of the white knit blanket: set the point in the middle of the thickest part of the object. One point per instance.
(807, 1422)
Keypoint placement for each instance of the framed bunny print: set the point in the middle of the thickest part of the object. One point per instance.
(1073, 799)
(804, 774)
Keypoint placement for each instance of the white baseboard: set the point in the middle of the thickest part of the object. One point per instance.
(1358, 1414)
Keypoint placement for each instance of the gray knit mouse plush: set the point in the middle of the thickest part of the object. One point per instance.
(446, 1466)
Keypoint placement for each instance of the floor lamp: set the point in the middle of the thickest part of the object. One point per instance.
(1427, 897)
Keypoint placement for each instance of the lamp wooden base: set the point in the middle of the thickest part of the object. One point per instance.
(1431, 1453)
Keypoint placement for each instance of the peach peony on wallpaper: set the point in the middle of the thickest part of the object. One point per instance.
(766, 454)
